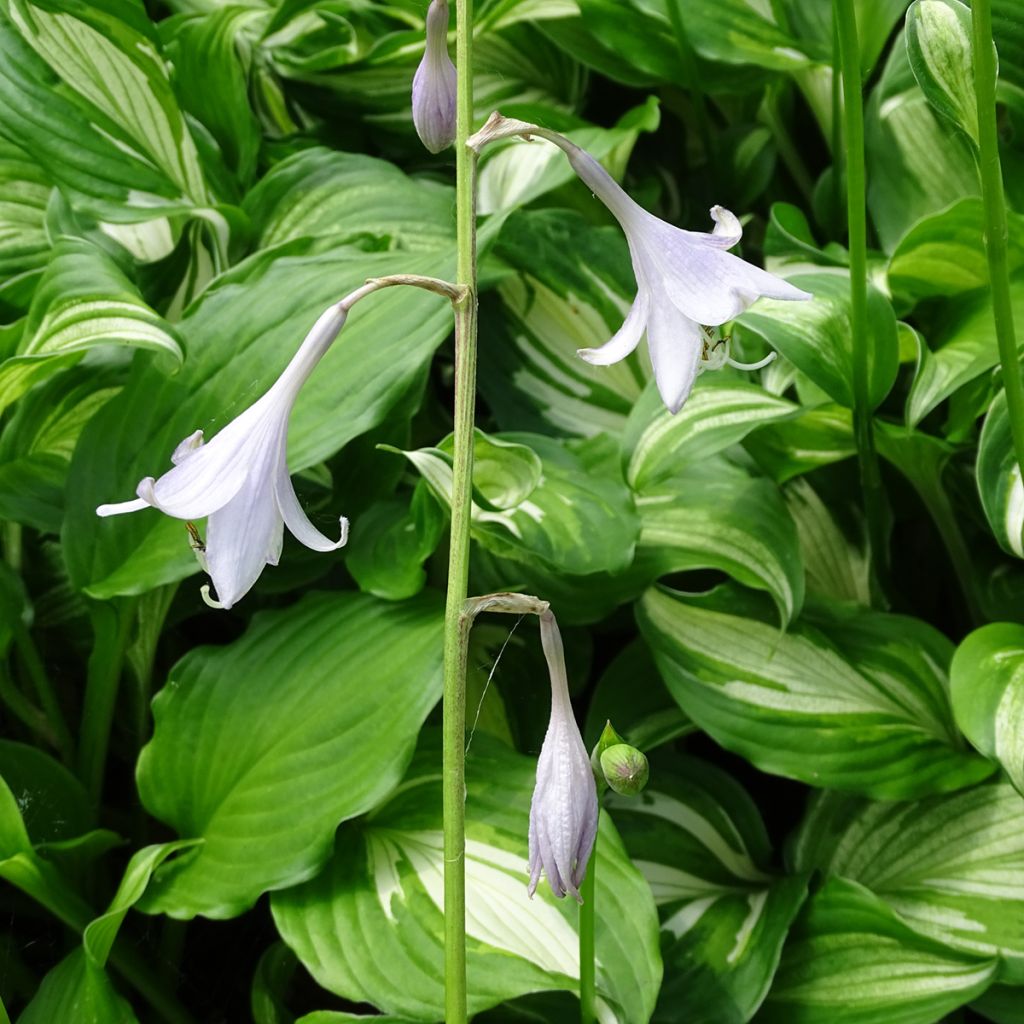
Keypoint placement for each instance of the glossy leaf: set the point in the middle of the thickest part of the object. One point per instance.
(353, 679)
(987, 687)
(369, 927)
(854, 702)
(951, 866)
(76, 990)
(999, 480)
(699, 840)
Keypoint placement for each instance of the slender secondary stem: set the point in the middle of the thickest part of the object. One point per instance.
(863, 427)
(48, 700)
(111, 622)
(588, 916)
(454, 708)
(995, 220)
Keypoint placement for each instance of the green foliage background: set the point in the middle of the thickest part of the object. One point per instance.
(228, 816)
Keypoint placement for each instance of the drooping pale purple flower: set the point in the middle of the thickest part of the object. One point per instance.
(687, 281)
(563, 813)
(433, 85)
(240, 480)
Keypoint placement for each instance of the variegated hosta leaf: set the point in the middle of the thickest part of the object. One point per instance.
(82, 301)
(24, 194)
(721, 410)
(571, 521)
(999, 480)
(815, 335)
(942, 59)
(951, 866)
(837, 566)
(349, 197)
(917, 162)
(817, 437)
(987, 686)
(370, 926)
(964, 350)
(511, 174)
(699, 840)
(352, 677)
(572, 290)
(851, 960)
(114, 135)
(716, 515)
(849, 701)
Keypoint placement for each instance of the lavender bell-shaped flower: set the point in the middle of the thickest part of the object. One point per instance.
(563, 813)
(240, 480)
(433, 86)
(686, 280)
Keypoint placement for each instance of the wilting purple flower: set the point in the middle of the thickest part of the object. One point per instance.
(563, 813)
(433, 85)
(686, 280)
(240, 480)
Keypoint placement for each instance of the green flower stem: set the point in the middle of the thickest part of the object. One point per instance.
(995, 219)
(454, 707)
(111, 623)
(863, 427)
(588, 963)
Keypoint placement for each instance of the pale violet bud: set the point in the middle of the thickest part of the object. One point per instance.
(433, 85)
(239, 482)
(687, 281)
(625, 769)
(563, 813)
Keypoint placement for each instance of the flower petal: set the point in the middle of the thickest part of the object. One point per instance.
(297, 521)
(119, 508)
(675, 343)
(626, 339)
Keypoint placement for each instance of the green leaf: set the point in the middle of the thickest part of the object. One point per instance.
(572, 290)
(76, 990)
(716, 515)
(239, 336)
(348, 197)
(917, 164)
(817, 437)
(24, 195)
(815, 335)
(721, 411)
(939, 48)
(700, 842)
(573, 521)
(987, 688)
(83, 301)
(951, 866)
(999, 480)
(1001, 1004)
(351, 678)
(812, 21)
(852, 700)
(944, 254)
(113, 135)
(965, 350)
(370, 927)
(851, 960)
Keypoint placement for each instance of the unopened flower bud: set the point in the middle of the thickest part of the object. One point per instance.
(608, 738)
(625, 769)
(433, 86)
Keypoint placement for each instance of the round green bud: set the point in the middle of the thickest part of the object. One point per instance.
(625, 769)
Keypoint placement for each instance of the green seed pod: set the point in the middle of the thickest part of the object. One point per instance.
(625, 769)
(609, 738)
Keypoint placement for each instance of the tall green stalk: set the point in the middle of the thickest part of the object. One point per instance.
(454, 722)
(856, 212)
(995, 219)
(588, 964)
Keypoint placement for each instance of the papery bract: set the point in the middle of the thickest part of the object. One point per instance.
(434, 84)
(240, 480)
(563, 812)
(686, 280)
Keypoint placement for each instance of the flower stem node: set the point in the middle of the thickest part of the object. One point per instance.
(625, 769)
(434, 84)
